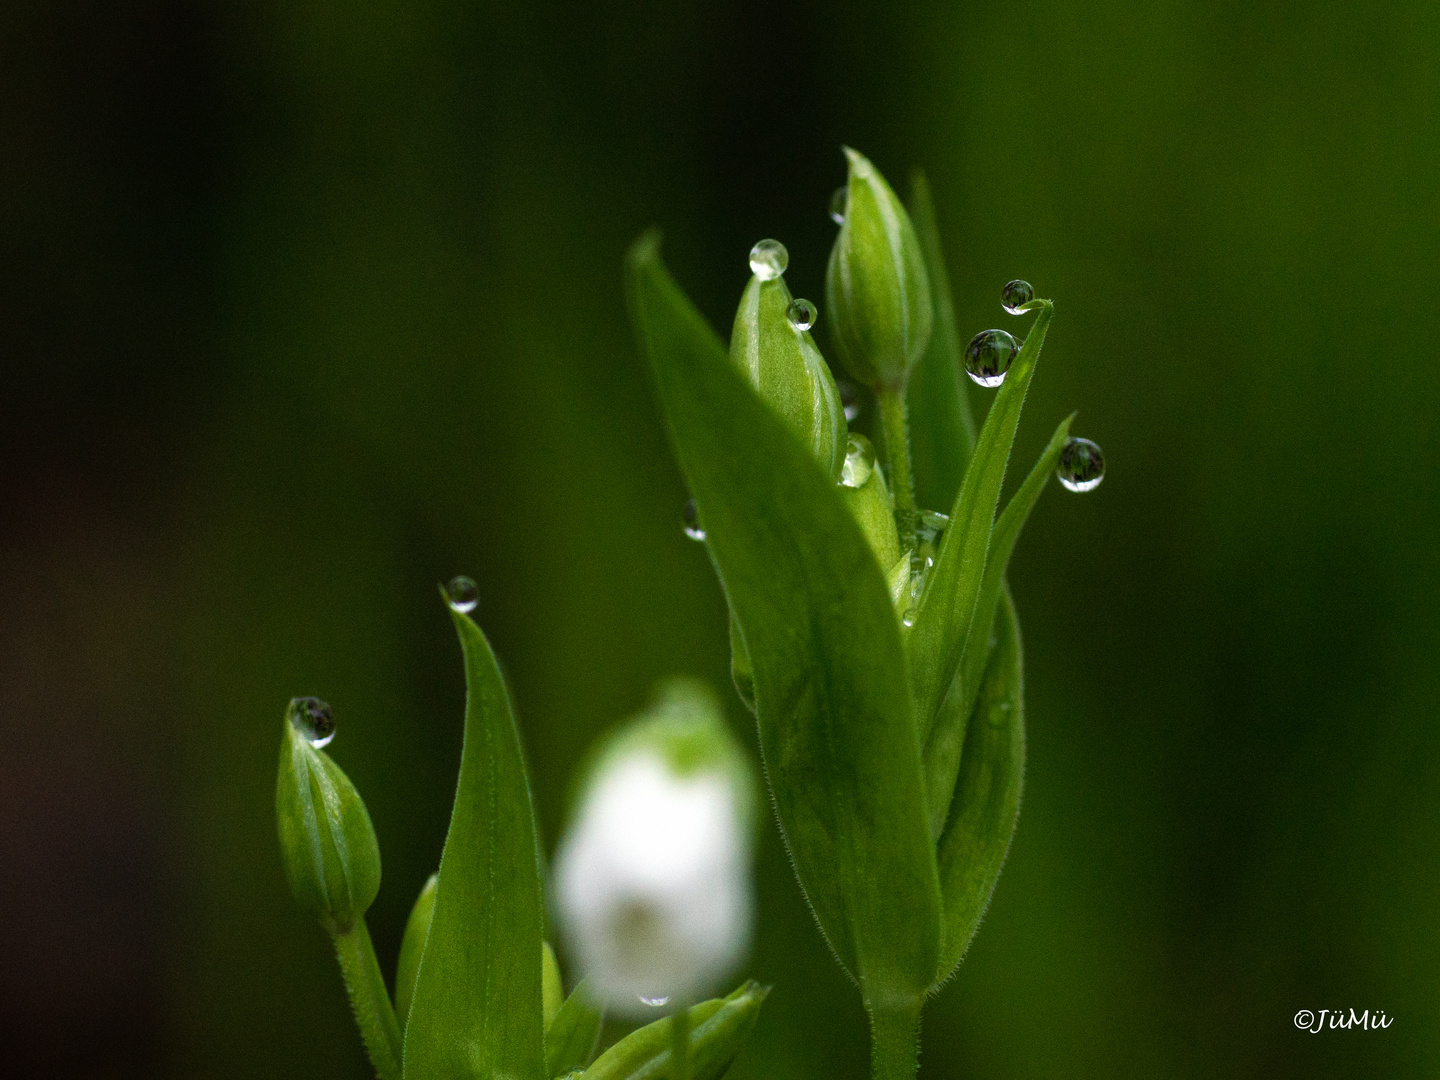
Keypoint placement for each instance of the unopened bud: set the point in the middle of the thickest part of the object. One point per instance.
(331, 857)
(771, 343)
(877, 293)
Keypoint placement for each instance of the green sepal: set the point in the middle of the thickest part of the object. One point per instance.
(987, 795)
(947, 606)
(947, 734)
(786, 368)
(327, 843)
(477, 1009)
(942, 429)
(837, 729)
(877, 290)
(552, 990)
(571, 1037)
(719, 1029)
(412, 945)
(874, 511)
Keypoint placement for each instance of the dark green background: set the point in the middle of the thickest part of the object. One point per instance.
(308, 306)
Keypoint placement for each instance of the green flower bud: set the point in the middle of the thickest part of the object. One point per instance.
(771, 343)
(877, 293)
(331, 857)
(411, 946)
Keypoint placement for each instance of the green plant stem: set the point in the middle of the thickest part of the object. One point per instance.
(897, 453)
(370, 1000)
(680, 1044)
(895, 1042)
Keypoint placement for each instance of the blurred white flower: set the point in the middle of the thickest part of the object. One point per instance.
(652, 881)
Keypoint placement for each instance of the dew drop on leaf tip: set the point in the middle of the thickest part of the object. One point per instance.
(690, 515)
(769, 259)
(314, 720)
(839, 203)
(988, 357)
(1016, 295)
(462, 594)
(800, 314)
(1081, 466)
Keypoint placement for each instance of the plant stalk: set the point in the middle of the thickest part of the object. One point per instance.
(894, 419)
(895, 1042)
(379, 1029)
(680, 1044)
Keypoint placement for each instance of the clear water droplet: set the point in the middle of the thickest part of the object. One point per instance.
(908, 619)
(691, 516)
(1082, 465)
(988, 357)
(839, 203)
(801, 314)
(1016, 295)
(654, 1002)
(463, 594)
(768, 259)
(313, 719)
(859, 461)
(930, 526)
(849, 399)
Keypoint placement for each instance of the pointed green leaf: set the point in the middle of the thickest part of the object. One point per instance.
(719, 1030)
(947, 734)
(987, 796)
(412, 945)
(552, 991)
(947, 606)
(477, 1005)
(571, 1037)
(942, 429)
(836, 726)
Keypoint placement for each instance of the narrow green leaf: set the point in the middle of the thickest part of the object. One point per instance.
(572, 1035)
(477, 1005)
(947, 735)
(942, 429)
(987, 796)
(948, 604)
(552, 991)
(412, 945)
(719, 1029)
(836, 725)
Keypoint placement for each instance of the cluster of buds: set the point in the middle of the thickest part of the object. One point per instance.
(871, 628)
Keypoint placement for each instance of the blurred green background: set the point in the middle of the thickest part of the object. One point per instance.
(309, 306)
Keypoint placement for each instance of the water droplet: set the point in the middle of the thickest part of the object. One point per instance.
(313, 719)
(849, 399)
(654, 1002)
(691, 515)
(801, 314)
(1016, 295)
(930, 526)
(859, 461)
(908, 619)
(462, 594)
(988, 356)
(839, 203)
(1082, 465)
(768, 259)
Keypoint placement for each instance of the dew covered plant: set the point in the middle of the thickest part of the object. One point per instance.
(477, 989)
(872, 632)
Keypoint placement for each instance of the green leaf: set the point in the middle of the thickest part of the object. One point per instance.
(477, 1005)
(552, 990)
(412, 945)
(947, 735)
(571, 1037)
(947, 607)
(942, 429)
(987, 796)
(719, 1029)
(836, 726)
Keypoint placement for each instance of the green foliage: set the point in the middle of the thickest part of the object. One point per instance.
(477, 1008)
(836, 727)
(718, 1031)
(412, 945)
(570, 1038)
